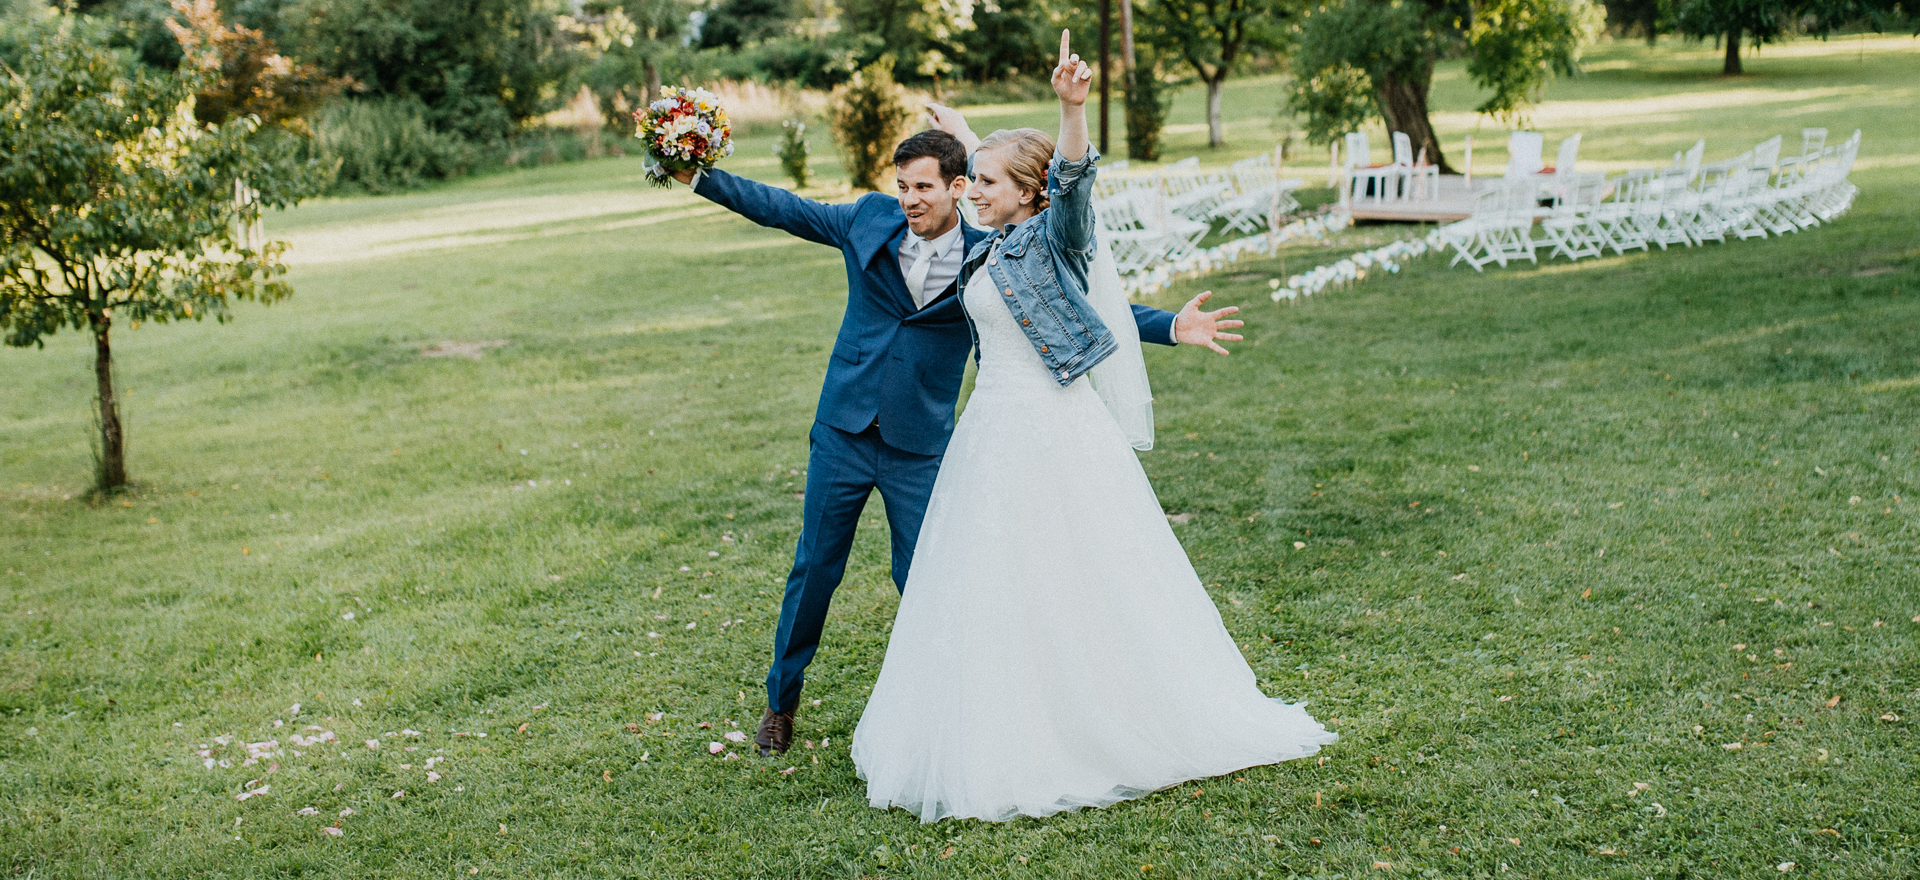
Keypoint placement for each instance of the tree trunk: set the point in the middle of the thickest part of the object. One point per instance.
(113, 450)
(1403, 101)
(1216, 133)
(1106, 40)
(653, 79)
(1732, 67)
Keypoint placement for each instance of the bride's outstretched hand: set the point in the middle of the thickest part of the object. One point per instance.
(1072, 78)
(1195, 327)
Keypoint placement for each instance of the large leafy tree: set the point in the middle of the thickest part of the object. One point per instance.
(1362, 59)
(1757, 22)
(1213, 36)
(118, 207)
(625, 44)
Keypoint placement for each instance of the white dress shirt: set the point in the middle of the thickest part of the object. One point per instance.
(947, 256)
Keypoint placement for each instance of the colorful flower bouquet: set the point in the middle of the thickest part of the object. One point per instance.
(686, 130)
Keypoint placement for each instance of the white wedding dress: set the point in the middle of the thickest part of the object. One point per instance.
(1054, 649)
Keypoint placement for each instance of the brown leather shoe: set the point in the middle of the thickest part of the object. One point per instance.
(776, 733)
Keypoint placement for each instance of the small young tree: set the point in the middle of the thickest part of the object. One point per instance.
(868, 117)
(1212, 36)
(792, 150)
(117, 205)
(623, 45)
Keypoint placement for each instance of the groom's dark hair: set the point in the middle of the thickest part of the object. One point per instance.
(934, 144)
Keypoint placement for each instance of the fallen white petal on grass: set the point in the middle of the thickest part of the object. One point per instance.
(432, 776)
(399, 794)
(373, 744)
(692, 625)
(333, 831)
(347, 616)
(306, 811)
(410, 733)
(736, 736)
(251, 793)
(1784, 867)
(653, 635)
(788, 771)
(346, 812)
(715, 748)
(1731, 747)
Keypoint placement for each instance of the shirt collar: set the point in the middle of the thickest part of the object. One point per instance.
(941, 246)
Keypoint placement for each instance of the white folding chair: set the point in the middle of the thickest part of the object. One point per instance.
(1523, 153)
(1573, 227)
(1569, 154)
(1192, 193)
(1500, 228)
(1624, 220)
(1360, 170)
(1261, 195)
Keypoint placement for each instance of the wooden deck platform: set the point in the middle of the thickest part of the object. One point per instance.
(1453, 201)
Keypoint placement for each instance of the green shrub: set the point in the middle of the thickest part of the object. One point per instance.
(1146, 110)
(792, 150)
(868, 118)
(386, 145)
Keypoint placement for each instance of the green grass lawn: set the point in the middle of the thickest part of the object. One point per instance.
(1600, 570)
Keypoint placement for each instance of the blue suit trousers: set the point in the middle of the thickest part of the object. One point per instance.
(843, 469)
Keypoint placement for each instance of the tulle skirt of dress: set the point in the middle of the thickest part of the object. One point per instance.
(1054, 648)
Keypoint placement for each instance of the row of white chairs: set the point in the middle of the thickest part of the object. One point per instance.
(1149, 219)
(1750, 196)
(1408, 176)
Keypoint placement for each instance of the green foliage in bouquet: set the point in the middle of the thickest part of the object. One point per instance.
(1147, 107)
(868, 117)
(792, 150)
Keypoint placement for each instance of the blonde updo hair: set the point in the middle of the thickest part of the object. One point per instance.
(1028, 152)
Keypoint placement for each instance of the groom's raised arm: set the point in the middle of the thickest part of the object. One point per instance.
(775, 207)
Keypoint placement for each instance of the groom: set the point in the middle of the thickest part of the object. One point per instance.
(886, 408)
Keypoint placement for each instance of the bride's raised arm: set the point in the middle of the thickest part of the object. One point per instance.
(1071, 81)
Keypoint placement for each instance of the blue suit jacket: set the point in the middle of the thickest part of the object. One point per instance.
(891, 361)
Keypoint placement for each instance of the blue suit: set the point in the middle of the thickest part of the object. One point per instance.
(886, 408)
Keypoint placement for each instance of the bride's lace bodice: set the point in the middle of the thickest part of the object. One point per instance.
(1007, 358)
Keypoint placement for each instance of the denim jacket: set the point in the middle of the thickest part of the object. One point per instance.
(1040, 268)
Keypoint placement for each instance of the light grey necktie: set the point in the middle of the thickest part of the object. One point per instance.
(917, 275)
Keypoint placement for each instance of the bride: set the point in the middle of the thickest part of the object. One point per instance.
(1054, 648)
